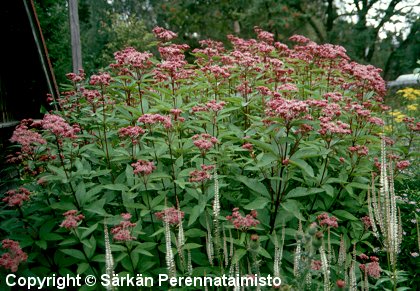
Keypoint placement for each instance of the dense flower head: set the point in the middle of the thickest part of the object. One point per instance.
(330, 127)
(215, 106)
(340, 283)
(201, 175)
(217, 71)
(248, 146)
(101, 80)
(133, 132)
(325, 220)
(122, 232)
(133, 58)
(143, 167)
(316, 265)
(401, 165)
(16, 197)
(14, 256)
(27, 138)
(372, 269)
(243, 222)
(170, 215)
(361, 150)
(59, 127)
(299, 38)
(72, 219)
(265, 36)
(204, 141)
(163, 34)
(76, 78)
(155, 119)
(286, 109)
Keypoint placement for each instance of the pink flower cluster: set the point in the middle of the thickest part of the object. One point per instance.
(100, 80)
(170, 215)
(286, 109)
(27, 138)
(72, 219)
(248, 146)
(12, 259)
(16, 197)
(133, 132)
(372, 269)
(59, 127)
(204, 141)
(201, 175)
(132, 58)
(241, 222)
(143, 167)
(215, 106)
(325, 220)
(360, 150)
(156, 118)
(330, 127)
(316, 265)
(176, 112)
(217, 71)
(76, 78)
(122, 232)
(401, 165)
(163, 34)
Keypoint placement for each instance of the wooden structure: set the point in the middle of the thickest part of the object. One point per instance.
(26, 74)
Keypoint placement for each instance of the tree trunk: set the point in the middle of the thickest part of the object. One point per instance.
(76, 50)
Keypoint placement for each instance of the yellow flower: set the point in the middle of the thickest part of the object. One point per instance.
(399, 118)
(395, 113)
(409, 93)
(388, 128)
(412, 107)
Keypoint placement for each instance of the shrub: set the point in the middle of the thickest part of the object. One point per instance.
(260, 157)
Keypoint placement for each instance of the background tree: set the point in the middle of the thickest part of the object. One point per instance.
(361, 26)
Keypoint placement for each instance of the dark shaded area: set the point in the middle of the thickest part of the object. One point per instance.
(25, 75)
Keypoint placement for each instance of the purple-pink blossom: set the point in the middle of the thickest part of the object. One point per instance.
(170, 215)
(14, 256)
(143, 167)
(243, 222)
(325, 220)
(72, 219)
(16, 197)
(122, 232)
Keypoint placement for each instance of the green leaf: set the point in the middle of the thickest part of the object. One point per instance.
(258, 203)
(239, 253)
(82, 267)
(264, 253)
(195, 213)
(191, 246)
(74, 253)
(87, 231)
(293, 207)
(116, 187)
(254, 185)
(304, 166)
(344, 215)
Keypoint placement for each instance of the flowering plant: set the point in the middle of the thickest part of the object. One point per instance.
(286, 137)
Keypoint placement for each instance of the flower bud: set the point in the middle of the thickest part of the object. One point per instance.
(254, 244)
(313, 228)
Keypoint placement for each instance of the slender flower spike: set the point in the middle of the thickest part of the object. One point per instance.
(109, 261)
